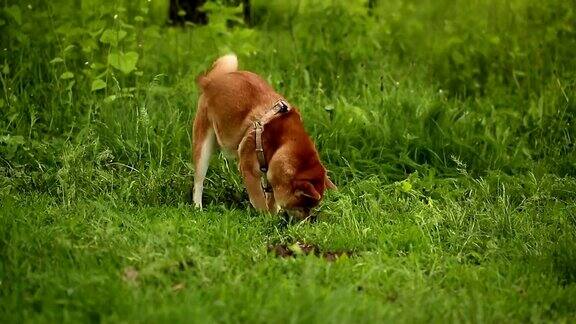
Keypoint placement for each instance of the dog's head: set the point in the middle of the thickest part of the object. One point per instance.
(299, 190)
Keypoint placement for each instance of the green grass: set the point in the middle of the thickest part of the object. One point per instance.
(447, 125)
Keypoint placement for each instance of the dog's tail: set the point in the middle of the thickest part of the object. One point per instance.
(225, 64)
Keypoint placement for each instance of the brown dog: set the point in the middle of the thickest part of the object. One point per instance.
(278, 161)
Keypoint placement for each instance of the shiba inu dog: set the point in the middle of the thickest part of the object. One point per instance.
(278, 161)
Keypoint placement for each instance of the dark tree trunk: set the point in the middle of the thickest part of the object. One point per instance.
(182, 11)
(247, 12)
(371, 5)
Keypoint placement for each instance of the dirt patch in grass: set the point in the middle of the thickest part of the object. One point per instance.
(297, 249)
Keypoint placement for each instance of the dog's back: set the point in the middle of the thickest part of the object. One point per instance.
(234, 98)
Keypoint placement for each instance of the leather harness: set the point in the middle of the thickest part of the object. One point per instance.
(280, 107)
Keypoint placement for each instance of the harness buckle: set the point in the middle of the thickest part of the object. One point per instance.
(283, 106)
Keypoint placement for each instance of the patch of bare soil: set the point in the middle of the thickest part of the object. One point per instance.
(296, 249)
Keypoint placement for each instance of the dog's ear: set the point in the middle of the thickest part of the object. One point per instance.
(329, 184)
(305, 188)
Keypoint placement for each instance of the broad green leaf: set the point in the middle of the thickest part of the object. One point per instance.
(101, 75)
(56, 60)
(97, 85)
(67, 75)
(405, 186)
(96, 32)
(125, 25)
(6, 68)
(88, 45)
(109, 99)
(112, 37)
(14, 12)
(125, 62)
(494, 40)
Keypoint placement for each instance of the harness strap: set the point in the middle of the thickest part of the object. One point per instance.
(280, 107)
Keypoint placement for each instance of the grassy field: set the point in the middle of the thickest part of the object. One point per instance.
(448, 127)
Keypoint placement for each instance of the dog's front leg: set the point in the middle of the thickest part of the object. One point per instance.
(251, 176)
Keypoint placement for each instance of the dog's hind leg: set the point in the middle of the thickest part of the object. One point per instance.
(202, 147)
